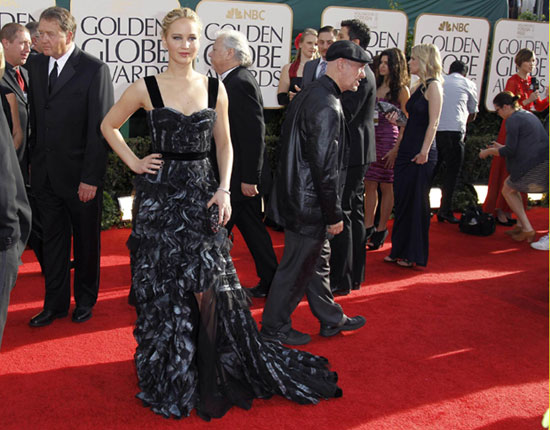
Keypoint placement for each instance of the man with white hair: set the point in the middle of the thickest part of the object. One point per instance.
(230, 57)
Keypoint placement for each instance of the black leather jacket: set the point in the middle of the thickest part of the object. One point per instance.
(307, 190)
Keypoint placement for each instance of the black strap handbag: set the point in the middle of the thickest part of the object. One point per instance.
(476, 222)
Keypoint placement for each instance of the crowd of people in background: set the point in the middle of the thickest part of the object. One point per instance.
(358, 144)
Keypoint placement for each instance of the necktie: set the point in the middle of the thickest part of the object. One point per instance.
(53, 77)
(19, 78)
(323, 69)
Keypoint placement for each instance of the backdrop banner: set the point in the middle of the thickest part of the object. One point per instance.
(268, 29)
(509, 37)
(124, 34)
(388, 27)
(22, 11)
(461, 38)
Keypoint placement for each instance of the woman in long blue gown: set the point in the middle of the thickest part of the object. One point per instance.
(198, 345)
(416, 160)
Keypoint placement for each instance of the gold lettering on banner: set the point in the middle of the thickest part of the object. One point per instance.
(250, 14)
(459, 27)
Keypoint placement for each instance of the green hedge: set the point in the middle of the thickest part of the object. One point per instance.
(119, 182)
(481, 132)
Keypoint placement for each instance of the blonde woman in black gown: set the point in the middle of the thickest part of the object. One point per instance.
(198, 346)
(416, 160)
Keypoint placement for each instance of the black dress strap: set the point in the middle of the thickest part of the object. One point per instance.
(213, 85)
(154, 92)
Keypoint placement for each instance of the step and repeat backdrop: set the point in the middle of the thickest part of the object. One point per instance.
(126, 35)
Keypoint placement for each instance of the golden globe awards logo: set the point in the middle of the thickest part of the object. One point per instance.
(455, 43)
(131, 46)
(248, 14)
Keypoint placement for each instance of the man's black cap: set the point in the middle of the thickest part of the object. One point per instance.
(348, 50)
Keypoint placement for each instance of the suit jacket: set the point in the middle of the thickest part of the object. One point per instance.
(246, 122)
(9, 81)
(359, 110)
(66, 142)
(310, 69)
(15, 212)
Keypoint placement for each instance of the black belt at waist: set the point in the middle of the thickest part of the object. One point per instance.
(184, 156)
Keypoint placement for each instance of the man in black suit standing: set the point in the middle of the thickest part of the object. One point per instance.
(16, 41)
(314, 69)
(15, 215)
(70, 93)
(347, 262)
(230, 57)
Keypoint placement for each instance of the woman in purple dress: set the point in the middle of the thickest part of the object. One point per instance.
(392, 81)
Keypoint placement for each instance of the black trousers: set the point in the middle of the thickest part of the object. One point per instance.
(304, 269)
(64, 219)
(450, 156)
(247, 216)
(347, 261)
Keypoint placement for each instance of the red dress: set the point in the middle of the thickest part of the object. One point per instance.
(498, 174)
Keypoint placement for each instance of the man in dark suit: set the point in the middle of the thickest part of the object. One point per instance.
(314, 69)
(15, 215)
(70, 93)
(16, 42)
(347, 263)
(230, 58)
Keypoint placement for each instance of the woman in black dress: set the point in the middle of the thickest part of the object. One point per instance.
(198, 346)
(416, 160)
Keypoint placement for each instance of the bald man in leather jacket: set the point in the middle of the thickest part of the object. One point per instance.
(306, 199)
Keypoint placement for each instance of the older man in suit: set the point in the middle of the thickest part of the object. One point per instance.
(230, 58)
(70, 93)
(314, 69)
(347, 263)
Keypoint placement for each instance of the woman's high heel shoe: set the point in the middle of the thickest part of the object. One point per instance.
(377, 239)
(524, 235)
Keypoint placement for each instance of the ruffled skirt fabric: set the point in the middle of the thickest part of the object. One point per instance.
(198, 345)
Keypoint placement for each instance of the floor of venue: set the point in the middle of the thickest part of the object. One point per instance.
(460, 344)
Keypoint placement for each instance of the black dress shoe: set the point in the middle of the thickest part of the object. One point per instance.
(356, 286)
(82, 314)
(449, 217)
(340, 292)
(293, 337)
(260, 291)
(349, 324)
(45, 318)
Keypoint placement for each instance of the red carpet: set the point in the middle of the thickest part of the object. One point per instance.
(461, 344)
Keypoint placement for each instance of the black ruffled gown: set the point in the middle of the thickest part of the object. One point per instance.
(206, 355)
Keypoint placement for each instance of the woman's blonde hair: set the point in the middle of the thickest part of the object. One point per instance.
(178, 13)
(429, 62)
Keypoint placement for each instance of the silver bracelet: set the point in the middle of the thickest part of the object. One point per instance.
(225, 191)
